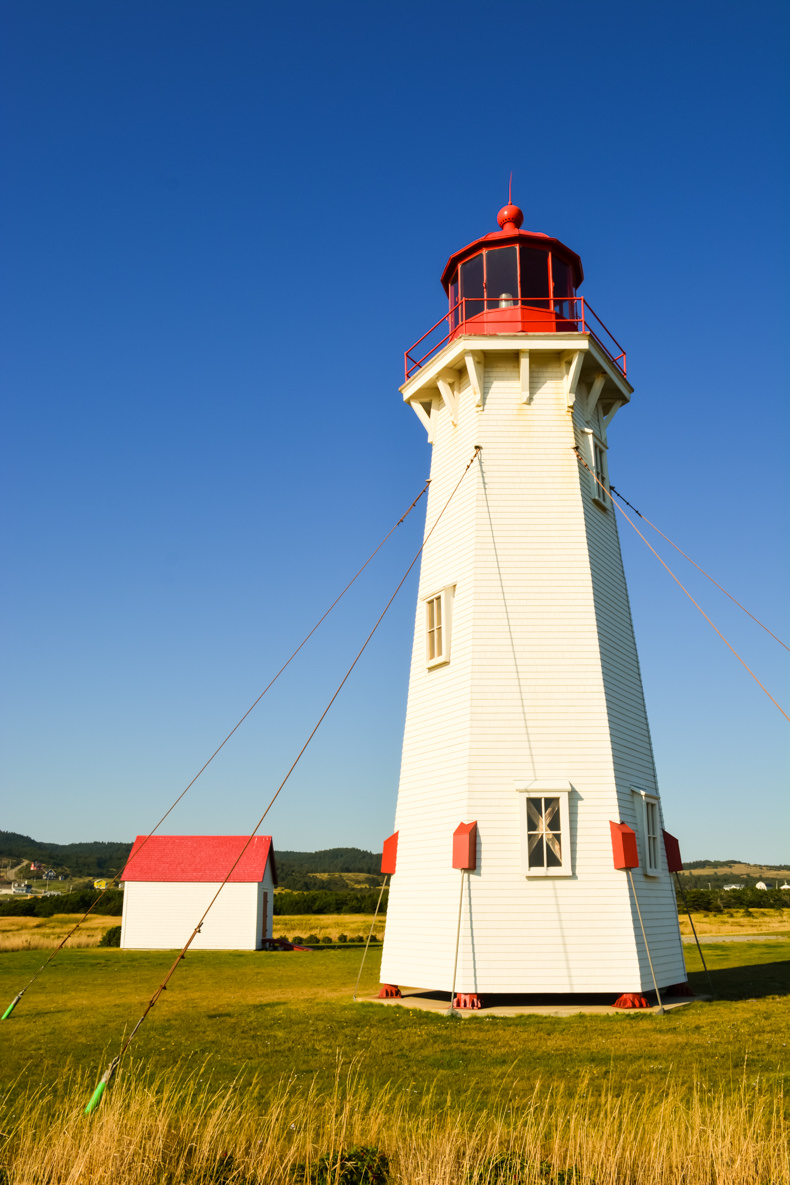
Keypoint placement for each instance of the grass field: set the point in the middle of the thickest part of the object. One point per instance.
(626, 1098)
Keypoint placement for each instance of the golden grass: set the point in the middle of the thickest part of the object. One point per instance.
(18, 934)
(178, 1128)
(762, 921)
(330, 924)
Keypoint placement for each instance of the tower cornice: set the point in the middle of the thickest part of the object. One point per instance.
(465, 355)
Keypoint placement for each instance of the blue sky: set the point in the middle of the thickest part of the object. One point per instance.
(223, 225)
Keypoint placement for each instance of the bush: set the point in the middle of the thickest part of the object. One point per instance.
(356, 1166)
(342, 937)
(327, 939)
(312, 939)
(111, 937)
(297, 940)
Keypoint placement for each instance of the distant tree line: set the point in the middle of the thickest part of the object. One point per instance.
(714, 901)
(111, 904)
(331, 860)
(290, 876)
(323, 902)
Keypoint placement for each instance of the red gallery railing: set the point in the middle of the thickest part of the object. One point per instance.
(490, 315)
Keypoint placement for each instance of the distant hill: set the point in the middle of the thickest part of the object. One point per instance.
(296, 870)
(331, 860)
(332, 869)
(78, 859)
(715, 874)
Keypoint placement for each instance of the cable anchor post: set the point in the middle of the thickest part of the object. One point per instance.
(12, 1005)
(106, 1079)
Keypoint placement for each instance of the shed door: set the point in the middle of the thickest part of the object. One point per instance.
(265, 917)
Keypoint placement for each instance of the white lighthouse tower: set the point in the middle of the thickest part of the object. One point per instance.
(526, 719)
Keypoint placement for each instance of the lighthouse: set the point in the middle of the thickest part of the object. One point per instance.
(528, 852)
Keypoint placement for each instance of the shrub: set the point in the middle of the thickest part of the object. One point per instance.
(297, 940)
(342, 937)
(355, 1166)
(111, 937)
(326, 939)
(312, 938)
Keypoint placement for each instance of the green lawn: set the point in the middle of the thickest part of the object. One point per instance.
(292, 1014)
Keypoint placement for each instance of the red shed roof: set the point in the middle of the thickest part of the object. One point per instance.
(198, 858)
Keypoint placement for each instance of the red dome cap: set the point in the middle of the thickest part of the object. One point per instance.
(510, 218)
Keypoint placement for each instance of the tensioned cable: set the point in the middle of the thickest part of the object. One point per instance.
(697, 566)
(204, 767)
(580, 458)
(97, 1094)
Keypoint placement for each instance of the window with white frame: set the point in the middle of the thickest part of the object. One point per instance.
(651, 832)
(600, 472)
(437, 627)
(545, 829)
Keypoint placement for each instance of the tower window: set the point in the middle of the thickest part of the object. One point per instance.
(545, 830)
(437, 627)
(599, 469)
(651, 831)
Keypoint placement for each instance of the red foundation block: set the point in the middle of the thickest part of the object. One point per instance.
(390, 991)
(468, 1000)
(631, 1000)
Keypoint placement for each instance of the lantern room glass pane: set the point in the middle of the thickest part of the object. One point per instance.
(501, 277)
(561, 287)
(472, 286)
(534, 277)
(455, 314)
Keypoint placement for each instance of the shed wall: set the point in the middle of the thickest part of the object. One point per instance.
(160, 915)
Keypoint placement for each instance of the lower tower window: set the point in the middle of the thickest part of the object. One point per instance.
(545, 829)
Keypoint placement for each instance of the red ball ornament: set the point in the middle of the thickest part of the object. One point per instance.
(510, 217)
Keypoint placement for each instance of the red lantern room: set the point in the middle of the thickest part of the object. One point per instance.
(514, 281)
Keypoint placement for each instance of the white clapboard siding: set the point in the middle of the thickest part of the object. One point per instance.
(543, 685)
(161, 915)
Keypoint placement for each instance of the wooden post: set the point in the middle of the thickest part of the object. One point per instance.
(644, 936)
(457, 943)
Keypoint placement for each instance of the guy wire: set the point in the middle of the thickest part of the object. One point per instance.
(581, 459)
(172, 807)
(182, 954)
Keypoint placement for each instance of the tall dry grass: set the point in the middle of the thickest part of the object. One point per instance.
(179, 1128)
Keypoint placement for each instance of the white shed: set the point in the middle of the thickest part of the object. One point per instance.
(170, 880)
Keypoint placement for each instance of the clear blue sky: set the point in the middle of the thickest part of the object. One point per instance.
(224, 222)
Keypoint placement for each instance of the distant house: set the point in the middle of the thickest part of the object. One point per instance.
(761, 885)
(170, 880)
(728, 887)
